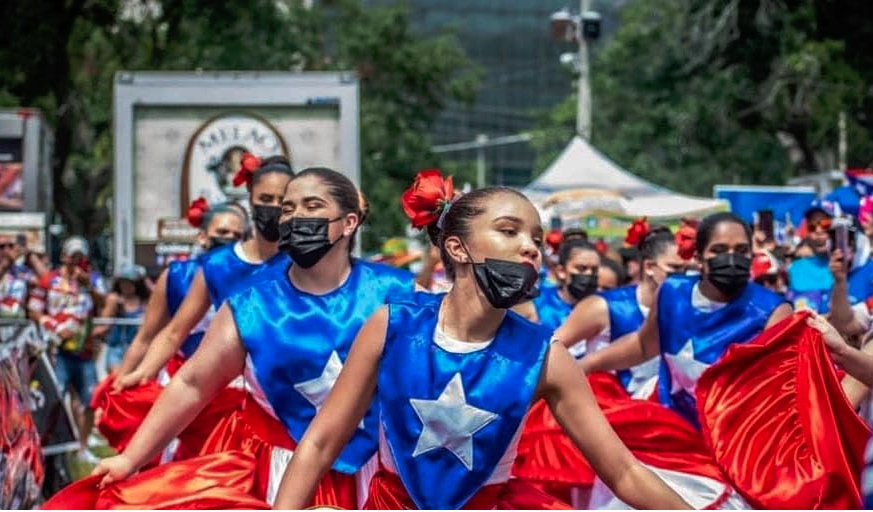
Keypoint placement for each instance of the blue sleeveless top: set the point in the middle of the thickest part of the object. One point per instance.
(625, 316)
(448, 417)
(180, 275)
(226, 273)
(551, 308)
(298, 342)
(692, 339)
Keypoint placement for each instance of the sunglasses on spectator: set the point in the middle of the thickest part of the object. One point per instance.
(824, 224)
(8, 245)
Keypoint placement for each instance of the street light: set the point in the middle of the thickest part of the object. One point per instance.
(568, 28)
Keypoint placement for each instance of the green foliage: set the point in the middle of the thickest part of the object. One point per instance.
(691, 93)
(62, 58)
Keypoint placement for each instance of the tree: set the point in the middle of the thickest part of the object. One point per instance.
(691, 93)
(63, 57)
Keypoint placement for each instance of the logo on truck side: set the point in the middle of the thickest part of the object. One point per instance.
(213, 155)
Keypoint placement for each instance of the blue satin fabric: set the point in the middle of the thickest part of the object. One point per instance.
(710, 333)
(291, 335)
(500, 379)
(625, 316)
(551, 308)
(180, 275)
(225, 273)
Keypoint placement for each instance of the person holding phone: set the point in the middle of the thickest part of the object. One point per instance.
(809, 279)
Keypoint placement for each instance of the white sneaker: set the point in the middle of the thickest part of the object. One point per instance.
(85, 455)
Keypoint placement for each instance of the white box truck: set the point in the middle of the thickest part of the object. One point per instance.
(179, 136)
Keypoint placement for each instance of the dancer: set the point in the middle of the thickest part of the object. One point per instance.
(612, 314)
(291, 334)
(695, 319)
(454, 375)
(218, 225)
(123, 412)
(225, 270)
(576, 271)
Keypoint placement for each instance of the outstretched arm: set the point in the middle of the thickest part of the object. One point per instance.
(335, 424)
(156, 315)
(629, 350)
(588, 319)
(170, 339)
(566, 390)
(219, 360)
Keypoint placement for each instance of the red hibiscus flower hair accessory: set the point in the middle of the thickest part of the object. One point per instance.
(554, 239)
(686, 238)
(197, 211)
(248, 164)
(428, 199)
(637, 232)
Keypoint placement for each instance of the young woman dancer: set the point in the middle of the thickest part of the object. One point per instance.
(122, 412)
(291, 335)
(455, 374)
(225, 270)
(615, 313)
(695, 319)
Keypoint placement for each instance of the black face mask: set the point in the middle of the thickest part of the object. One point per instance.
(219, 241)
(582, 285)
(267, 221)
(729, 272)
(306, 240)
(506, 283)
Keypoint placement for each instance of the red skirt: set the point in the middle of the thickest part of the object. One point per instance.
(254, 432)
(775, 416)
(387, 493)
(218, 481)
(121, 414)
(547, 457)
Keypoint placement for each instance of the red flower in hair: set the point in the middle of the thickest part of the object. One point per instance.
(425, 200)
(601, 246)
(248, 164)
(554, 239)
(637, 232)
(196, 211)
(686, 239)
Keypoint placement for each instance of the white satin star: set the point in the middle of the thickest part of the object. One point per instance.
(449, 422)
(315, 391)
(684, 369)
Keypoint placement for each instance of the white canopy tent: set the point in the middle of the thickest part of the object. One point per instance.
(583, 181)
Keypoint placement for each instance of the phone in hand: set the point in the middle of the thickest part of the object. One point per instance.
(840, 236)
(765, 224)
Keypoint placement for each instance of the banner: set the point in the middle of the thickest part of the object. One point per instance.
(11, 174)
(785, 202)
(21, 464)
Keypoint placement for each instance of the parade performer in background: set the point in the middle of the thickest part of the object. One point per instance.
(227, 269)
(122, 412)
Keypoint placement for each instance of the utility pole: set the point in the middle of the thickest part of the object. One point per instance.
(481, 143)
(583, 108)
(580, 29)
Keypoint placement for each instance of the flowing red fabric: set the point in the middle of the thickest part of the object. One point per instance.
(547, 456)
(387, 493)
(195, 435)
(121, 414)
(253, 431)
(777, 420)
(218, 481)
